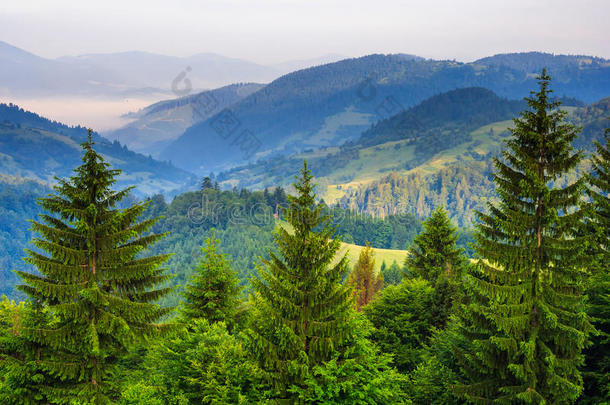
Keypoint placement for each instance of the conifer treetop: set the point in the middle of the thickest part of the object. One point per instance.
(213, 290)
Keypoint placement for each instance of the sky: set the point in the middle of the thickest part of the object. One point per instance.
(274, 31)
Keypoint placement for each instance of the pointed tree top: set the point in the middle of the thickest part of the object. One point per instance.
(90, 137)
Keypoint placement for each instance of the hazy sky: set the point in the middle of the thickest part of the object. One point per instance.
(270, 31)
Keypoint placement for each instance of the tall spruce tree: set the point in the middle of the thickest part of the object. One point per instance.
(302, 307)
(527, 319)
(597, 356)
(435, 257)
(213, 291)
(364, 281)
(99, 291)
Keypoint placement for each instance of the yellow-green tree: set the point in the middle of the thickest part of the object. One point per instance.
(363, 280)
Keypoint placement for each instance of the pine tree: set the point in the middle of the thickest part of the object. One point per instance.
(302, 306)
(527, 320)
(597, 370)
(363, 280)
(98, 289)
(213, 291)
(206, 183)
(434, 255)
(392, 275)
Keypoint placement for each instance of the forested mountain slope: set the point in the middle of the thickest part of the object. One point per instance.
(330, 104)
(34, 147)
(17, 205)
(159, 124)
(459, 178)
(436, 153)
(401, 142)
(242, 220)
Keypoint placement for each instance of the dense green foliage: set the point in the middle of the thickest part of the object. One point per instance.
(527, 319)
(434, 255)
(460, 188)
(435, 258)
(22, 377)
(462, 185)
(597, 357)
(403, 317)
(17, 204)
(202, 365)
(392, 274)
(362, 375)
(387, 232)
(243, 221)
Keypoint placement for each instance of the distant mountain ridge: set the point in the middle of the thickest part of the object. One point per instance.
(203, 70)
(334, 103)
(123, 74)
(535, 61)
(159, 124)
(129, 74)
(474, 107)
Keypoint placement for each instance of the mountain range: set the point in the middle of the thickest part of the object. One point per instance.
(130, 74)
(383, 134)
(332, 104)
(437, 153)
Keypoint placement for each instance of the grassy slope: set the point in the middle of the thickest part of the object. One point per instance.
(381, 255)
(353, 251)
(378, 160)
